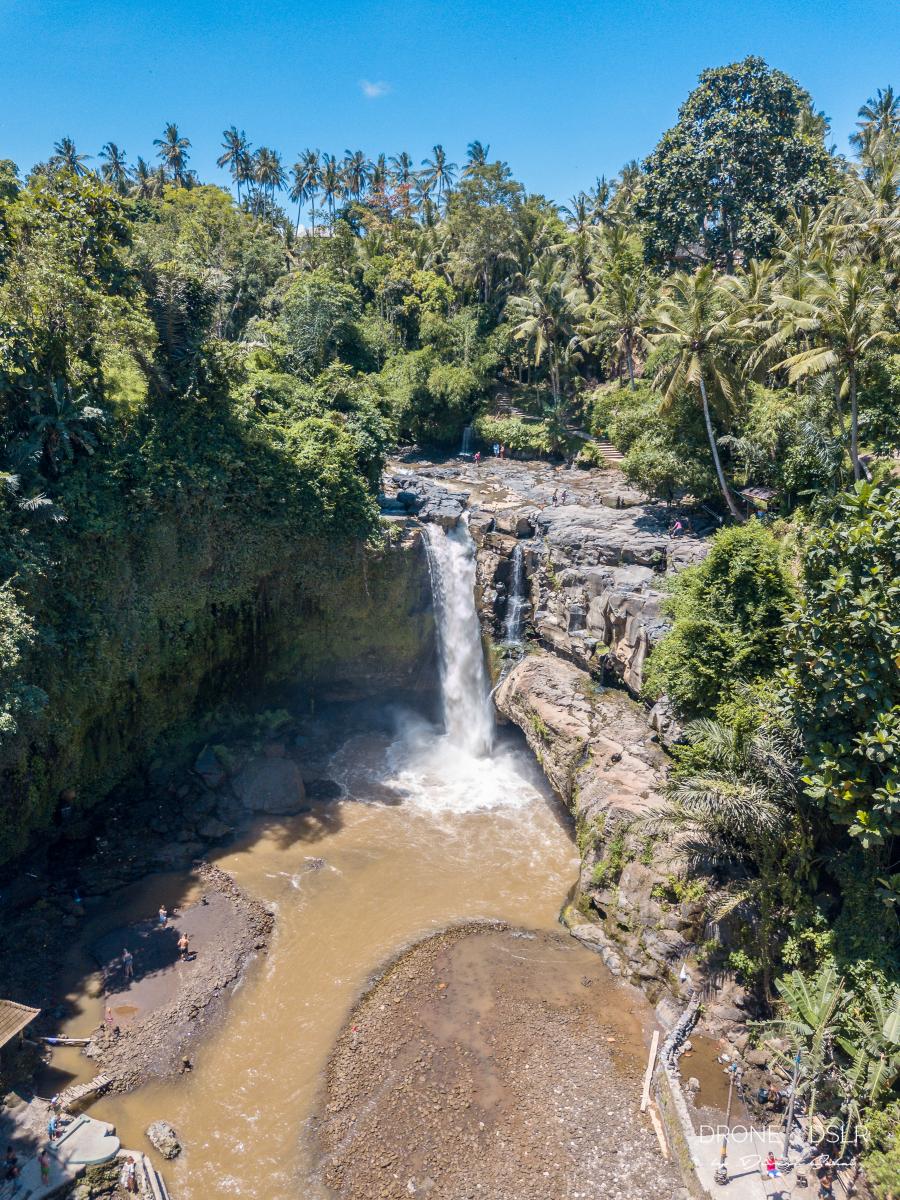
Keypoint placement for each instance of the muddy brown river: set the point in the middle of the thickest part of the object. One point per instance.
(437, 824)
(427, 835)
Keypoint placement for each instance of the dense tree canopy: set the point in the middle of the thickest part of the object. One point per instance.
(744, 152)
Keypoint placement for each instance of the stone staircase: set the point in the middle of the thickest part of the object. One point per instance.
(611, 455)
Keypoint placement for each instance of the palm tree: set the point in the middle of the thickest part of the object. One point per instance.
(268, 174)
(844, 315)
(402, 177)
(63, 426)
(173, 150)
(623, 304)
(115, 168)
(734, 816)
(65, 156)
(306, 176)
(628, 188)
(476, 156)
(379, 176)
(355, 170)
(237, 157)
(879, 117)
(330, 179)
(545, 318)
(693, 321)
(579, 212)
(439, 172)
(144, 184)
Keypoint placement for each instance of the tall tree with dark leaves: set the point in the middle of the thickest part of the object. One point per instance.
(722, 180)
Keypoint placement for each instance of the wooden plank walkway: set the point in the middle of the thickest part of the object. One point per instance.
(81, 1091)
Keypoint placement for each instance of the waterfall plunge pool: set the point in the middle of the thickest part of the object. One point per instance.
(437, 824)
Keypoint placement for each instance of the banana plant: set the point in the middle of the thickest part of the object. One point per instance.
(811, 1020)
(872, 1044)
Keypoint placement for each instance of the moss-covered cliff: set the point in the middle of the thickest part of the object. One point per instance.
(169, 620)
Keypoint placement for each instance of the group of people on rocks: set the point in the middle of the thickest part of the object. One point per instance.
(498, 450)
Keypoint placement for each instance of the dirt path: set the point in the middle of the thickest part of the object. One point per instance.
(494, 1063)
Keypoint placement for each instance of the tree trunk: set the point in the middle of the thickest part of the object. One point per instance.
(726, 493)
(854, 424)
(839, 408)
(629, 358)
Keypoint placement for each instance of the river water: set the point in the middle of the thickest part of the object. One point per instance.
(437, 824)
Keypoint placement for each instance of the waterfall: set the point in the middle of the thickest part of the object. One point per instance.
(467, 437)
(515, 599)
(468, 715)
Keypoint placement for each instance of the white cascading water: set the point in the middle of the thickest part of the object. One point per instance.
(459, 768)
(468, 714)
(515, 601)
(467, 438)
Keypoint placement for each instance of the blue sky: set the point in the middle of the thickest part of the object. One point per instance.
(563, 92)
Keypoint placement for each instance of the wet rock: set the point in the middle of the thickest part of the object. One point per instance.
(518, 524)
(430, 501)
(229, 809)
(208, 767)
(163, 1138)
(323, 789)
(271, 785)
(664, 722)
(442, 509)
(213, 829)
(177, 854)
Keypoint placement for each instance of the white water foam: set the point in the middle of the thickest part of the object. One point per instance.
(468, 714)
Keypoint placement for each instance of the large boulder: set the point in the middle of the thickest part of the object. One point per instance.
(271, 785)
(163, 1138)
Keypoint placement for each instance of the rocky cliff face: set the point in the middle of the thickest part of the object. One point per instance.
(600, 756)
(595, 576)
(595, 563)
(192, 616)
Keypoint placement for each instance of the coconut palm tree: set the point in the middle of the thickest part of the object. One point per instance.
(624, 302)
(379, 174)
(332, 184)
(693, 322)
(579, 212)
(305, 174)
(545, 318)
(65, 156)
(879, 117)
(144, 181)
(355, 171)
(236, 156)
(268, 174)
(843, 315)
(173, 150)
(402, 178)
(476, 156)
(439, 172)
(115, 168)
(627, 189)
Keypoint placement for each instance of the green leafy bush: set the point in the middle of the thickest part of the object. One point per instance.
(843, 680)
(727, 615)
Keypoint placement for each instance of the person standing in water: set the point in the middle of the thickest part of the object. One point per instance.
(184, 945)
(128, 963)
(44, 1163)
(163, 916)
